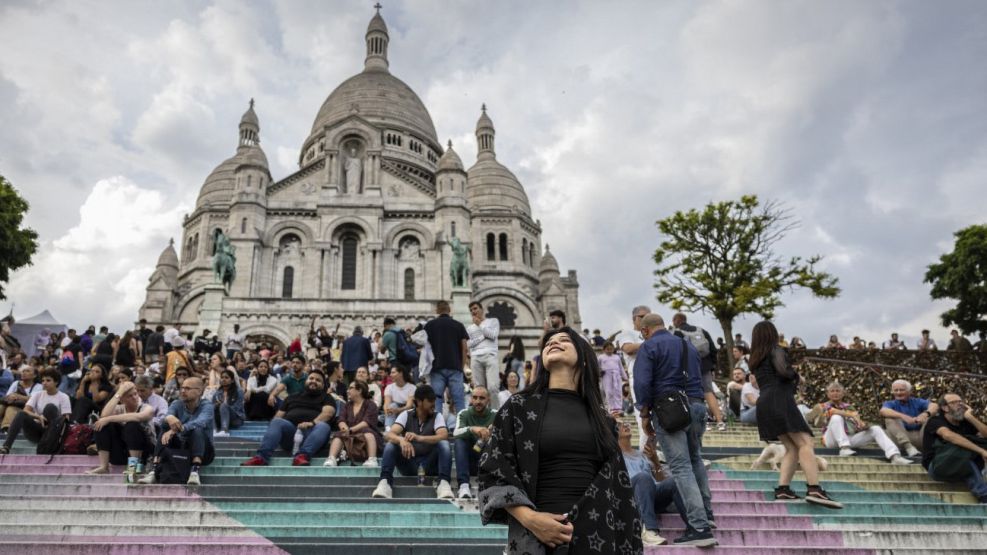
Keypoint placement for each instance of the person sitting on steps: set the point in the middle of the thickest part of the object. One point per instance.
(311, 411)
(904, 417)
(188, 426)
(845, 429)
(124, 431)
(955, 446)
(358, 418)
(17, 395)
(417, 442)
(472, 428)
(40, 411)
(229, 404)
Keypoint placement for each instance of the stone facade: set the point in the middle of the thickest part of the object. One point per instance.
(361, 231)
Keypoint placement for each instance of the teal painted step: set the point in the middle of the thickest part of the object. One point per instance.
(455, 548)
(255, 519)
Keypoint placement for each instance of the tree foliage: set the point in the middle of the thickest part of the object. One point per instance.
(962, 275)
(721, 261)
(16, 245)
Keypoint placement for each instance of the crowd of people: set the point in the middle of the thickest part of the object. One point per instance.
(542, 434)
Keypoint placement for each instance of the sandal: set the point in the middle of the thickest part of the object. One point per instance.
(785, 493)
(98, 470)
(818, 496)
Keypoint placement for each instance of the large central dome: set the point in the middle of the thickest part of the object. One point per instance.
(380, 98)
(376, 96)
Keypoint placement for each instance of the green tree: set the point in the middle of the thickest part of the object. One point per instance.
(16, 245)
(721, 261)
(962, 275)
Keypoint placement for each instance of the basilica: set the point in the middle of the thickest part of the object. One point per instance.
(363, 229)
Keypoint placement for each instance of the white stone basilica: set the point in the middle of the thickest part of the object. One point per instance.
(362, 230)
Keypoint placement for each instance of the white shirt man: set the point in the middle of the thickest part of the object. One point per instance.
(482, 344)
(234, 341)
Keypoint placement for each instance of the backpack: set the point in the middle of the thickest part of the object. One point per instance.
(77, 439)
(406, 354)
(53, 437)
(697, 338)
(174, 466)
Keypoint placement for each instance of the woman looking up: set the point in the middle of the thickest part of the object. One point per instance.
(779, 419)
(553, 453)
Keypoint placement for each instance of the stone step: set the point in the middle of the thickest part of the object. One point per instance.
(320, 530)
(421, 517)
(974, 540)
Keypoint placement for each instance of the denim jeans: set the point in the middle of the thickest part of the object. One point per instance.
(681, 450)
(453, 379)
(198, 442)
(748, 416)
(975, 481)
(282, 433)
(437, 462)
(467, 460)
(655, 497)
(227, 418)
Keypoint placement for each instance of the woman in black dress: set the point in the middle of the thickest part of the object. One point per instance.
(779, 419)
(553, 471)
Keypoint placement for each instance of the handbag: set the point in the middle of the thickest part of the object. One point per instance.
(672, 407)
(174, 465)
(356, 447)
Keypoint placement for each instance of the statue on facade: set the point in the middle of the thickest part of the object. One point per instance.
(223, 259)
(459, 267)
(354, 169)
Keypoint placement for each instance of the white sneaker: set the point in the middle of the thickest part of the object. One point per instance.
(649, 538)
(221, 434)
(464, 491)
(383, 490)
(912, 451)
(147, 479)
(193, 479)
(330, 461)
(898, 459)
(371, 462)
(444, 491)
(847, 452)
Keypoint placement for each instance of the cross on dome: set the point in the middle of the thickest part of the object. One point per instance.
(378, 6)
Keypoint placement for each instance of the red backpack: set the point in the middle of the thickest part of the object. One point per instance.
(79, 437)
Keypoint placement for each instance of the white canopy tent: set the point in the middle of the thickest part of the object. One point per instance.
(27, 330)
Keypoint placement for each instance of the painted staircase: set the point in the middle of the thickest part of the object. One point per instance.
(308, 510)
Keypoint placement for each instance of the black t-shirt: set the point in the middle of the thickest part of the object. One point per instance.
(929, 436)
(446, 336)
(305, 406)
(568, 458)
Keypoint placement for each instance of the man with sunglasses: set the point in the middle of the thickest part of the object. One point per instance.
(472, 429)
(955, 446)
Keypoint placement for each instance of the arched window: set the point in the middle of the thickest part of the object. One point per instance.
(348, 280)
(491, 247)
(243, 225)
(195, 247)
(452, 229)
(524, 251)
(503, 246)
(288, 282)
(409, 285)
(250, 179)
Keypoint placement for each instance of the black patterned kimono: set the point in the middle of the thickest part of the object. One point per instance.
(605, 519)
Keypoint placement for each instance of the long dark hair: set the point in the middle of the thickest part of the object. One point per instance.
(764, 338)
(233, 392)
(517, 348)
(587, 377)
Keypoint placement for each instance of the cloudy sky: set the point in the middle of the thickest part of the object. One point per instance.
(867, 119)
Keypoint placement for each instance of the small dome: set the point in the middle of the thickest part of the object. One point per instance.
(491, 186)
(168, 256)
(548, 263)
(377, 24)
(450, 160)
(250, 116)
(221, 183)
(484, 122)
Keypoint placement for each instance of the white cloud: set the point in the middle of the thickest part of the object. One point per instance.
(97, 271)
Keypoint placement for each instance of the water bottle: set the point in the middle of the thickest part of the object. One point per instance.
(479, 445)
(421, 474)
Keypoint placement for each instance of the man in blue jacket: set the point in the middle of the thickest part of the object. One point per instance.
(658, 370)
(356, 353)
(189, 425)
